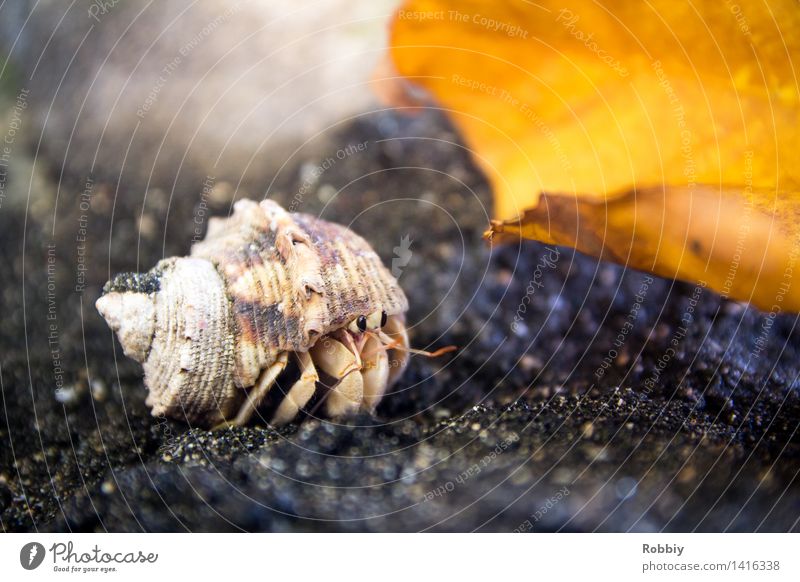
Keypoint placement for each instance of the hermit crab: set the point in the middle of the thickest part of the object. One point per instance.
(266, 289)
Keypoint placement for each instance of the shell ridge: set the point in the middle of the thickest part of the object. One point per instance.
(303, 263)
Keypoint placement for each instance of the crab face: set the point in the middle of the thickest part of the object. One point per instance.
(372, 322)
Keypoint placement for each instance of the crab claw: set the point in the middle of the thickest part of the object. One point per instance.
(132, 317)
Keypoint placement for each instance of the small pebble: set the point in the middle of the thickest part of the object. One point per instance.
(67, 394)
(99, 390)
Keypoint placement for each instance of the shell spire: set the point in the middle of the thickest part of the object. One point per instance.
(128, 306)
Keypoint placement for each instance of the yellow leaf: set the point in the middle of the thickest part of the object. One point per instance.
(666, 135)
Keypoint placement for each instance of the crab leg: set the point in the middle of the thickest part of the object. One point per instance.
(375, 372)
(257, 394)
(337, 361)
(300, 392)
(351, 344)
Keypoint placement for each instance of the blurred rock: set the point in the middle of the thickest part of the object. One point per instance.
(148, 91)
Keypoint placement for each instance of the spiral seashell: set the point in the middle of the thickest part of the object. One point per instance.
(215, 330)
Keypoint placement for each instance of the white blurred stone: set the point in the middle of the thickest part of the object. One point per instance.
(213, 85)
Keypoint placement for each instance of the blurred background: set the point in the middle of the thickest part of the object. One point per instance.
(127, 124)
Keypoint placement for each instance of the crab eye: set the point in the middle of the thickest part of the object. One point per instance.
(361, 322)
(383, 318)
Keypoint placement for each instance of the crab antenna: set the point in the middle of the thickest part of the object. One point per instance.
(394, 345)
